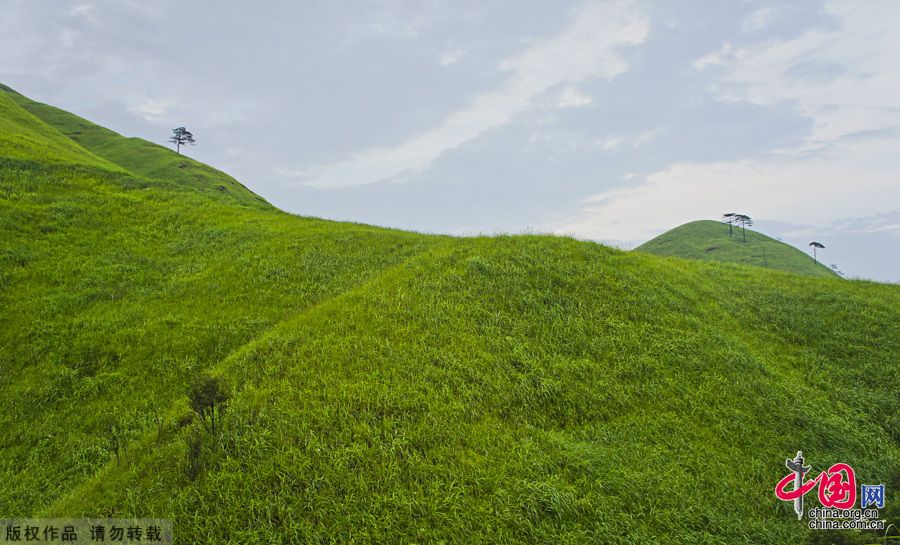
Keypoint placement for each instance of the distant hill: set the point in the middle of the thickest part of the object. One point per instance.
(395, 387)
(708, 240)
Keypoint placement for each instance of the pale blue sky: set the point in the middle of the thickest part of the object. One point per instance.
(612, 121)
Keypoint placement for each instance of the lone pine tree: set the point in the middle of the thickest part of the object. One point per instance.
(181, 137)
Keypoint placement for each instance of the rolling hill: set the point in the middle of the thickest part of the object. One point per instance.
(394, 387)
(134, 155)
(709, 241)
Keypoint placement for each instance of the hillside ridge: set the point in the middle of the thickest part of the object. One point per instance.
(135, 155)
(179, 410)
(708, 240)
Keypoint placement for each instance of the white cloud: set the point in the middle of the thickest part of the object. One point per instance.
(806, 189)
(844, 80)
(386, 23)
(571, 97)
(68, 38)
(151, 109)
(758, 20)
(589, 48)
(610, 143)
(893, 229)
(195, 111)
(453, 56)
(86, 11)
(647, 137)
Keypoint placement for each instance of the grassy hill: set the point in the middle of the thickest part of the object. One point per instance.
(392, 387)
(24, 136)
(136, 155)
(709, 241)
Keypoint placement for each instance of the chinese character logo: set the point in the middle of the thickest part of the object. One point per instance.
(837, 486)
(871, 494)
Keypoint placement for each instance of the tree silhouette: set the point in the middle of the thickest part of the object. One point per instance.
(745, 221)
(816, 245)
(208, 397)
(730, 219)
(114, 440)
(181, 137)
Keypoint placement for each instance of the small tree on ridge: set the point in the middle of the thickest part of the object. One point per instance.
(814, 246)
(208, 397)
(730, 219)
(745, 221)
(181, 137)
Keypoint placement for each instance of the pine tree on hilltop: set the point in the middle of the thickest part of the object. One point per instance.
(181, 137)
(730, 218)
(814, 246)
(745, 221)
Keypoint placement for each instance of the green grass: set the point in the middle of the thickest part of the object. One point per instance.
(139, 156)
(392, 387)
(24, 136)
(710, 241)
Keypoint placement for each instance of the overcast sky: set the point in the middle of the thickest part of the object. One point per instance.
(612, 121)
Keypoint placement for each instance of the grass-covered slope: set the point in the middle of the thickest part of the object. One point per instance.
(709, 241)
(24, 136)
(136, 155)
(115, 289)
(390, 387)
(533, 389)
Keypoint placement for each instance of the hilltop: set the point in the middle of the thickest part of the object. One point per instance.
(394, 387)
(133, 155)
(708, 240)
